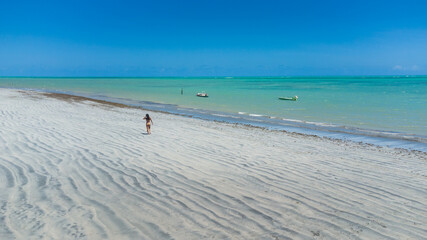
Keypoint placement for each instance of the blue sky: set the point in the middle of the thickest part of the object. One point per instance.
(212, 38)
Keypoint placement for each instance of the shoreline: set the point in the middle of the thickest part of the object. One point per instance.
(385, 139)
(77, 168)
(79, 99)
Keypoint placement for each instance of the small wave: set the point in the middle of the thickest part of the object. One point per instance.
(219, 115)
(292, 120)
(255, 115)
(322, 124)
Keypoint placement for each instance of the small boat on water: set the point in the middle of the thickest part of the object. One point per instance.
(202, 94)
(289, 98)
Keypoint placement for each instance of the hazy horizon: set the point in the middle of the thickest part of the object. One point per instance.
(278, 76)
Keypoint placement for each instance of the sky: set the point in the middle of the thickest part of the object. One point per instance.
(212, 38)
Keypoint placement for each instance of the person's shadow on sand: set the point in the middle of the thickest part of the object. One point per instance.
(145, 134)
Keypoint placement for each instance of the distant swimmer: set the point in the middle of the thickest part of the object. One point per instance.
(148, 123)
(182, 91)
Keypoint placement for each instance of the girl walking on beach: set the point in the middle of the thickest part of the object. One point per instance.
(148, 123)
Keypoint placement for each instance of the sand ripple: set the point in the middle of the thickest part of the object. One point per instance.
(71, 170)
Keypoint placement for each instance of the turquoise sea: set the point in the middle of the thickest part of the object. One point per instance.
(388, 110)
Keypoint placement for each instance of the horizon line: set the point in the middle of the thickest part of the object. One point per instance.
(266, 76)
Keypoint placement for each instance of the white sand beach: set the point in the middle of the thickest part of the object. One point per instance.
(77, 169)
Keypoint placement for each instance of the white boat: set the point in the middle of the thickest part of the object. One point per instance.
(202, 94)
(289, 98)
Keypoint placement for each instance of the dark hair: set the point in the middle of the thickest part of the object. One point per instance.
(147, 116)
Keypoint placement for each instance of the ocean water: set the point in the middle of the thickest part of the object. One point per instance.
(389, 110)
